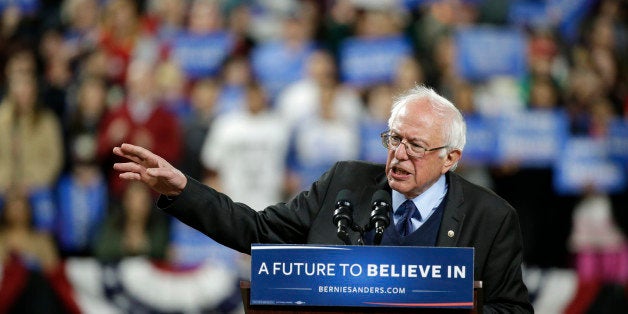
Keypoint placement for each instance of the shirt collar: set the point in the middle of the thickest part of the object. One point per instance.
(426, 202)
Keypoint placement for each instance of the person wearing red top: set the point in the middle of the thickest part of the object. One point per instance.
(140, 120)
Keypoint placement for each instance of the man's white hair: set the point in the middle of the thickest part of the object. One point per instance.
(454, 127)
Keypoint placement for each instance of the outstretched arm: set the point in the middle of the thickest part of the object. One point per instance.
(149, 168)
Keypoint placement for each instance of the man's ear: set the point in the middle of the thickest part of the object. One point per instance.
(450, 160)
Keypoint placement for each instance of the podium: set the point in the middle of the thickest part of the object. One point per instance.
(245, 289)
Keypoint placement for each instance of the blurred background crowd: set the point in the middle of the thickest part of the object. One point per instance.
(257, 98)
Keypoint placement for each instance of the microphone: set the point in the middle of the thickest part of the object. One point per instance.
(343, 215)
(380, 218)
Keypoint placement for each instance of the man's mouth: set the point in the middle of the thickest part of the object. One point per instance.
(399, 171)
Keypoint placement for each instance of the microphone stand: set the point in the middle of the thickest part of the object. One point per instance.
(379, 232)
(361, 231)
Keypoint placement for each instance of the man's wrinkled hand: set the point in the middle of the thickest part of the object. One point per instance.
(154, 171)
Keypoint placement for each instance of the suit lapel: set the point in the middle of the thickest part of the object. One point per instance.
(453, 216)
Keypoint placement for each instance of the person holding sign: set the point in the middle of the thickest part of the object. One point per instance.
(431, 205)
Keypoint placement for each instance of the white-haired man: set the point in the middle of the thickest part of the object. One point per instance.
(431, 205)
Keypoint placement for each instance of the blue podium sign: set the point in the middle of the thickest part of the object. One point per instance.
(363, 276)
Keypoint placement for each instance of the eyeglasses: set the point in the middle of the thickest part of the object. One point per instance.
(413, 150)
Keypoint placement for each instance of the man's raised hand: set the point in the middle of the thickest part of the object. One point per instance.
(149, 168)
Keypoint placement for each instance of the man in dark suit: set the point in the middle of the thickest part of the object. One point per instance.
(431, 205)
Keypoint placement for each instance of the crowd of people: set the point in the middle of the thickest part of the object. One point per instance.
(257, 98)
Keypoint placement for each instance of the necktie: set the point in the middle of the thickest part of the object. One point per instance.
(404, 226)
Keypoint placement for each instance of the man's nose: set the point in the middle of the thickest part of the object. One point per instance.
(399, 154)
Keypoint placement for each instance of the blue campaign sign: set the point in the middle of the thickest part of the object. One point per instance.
(531, 138)
(569, 15)
(585, 166)
(484, 52)
(25, 6)
(368, 61)
(618, 140)
(202, 55)
(364, 276)
(371, 148)
(481, 140)
(43, 208)
(565, 15)
(277, 64)
(412, 4)
(528, 12)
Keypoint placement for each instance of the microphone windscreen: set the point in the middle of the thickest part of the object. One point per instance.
(381, 196)
(344, 196)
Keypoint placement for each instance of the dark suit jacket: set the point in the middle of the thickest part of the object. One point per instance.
(477, 217)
